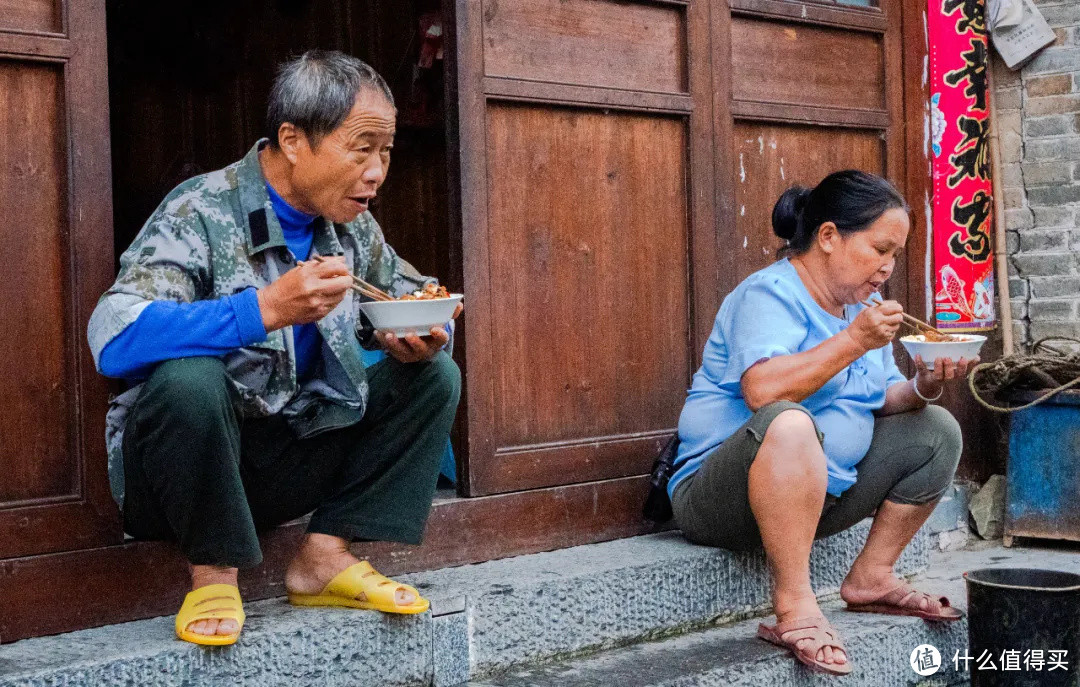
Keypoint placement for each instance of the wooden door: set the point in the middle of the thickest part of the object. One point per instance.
(802, 89)
(587, 244)
(56, 226)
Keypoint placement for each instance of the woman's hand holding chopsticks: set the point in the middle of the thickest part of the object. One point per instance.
(876, 326)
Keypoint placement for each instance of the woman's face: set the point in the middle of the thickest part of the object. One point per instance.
(861, 262)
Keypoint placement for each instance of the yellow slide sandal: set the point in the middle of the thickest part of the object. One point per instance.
(360, 586)
(214, 601)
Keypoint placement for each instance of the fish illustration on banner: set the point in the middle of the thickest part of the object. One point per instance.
(962, 202)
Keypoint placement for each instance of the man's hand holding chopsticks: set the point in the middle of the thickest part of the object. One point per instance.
(306, 293)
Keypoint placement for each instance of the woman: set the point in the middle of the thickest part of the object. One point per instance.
(799, 424)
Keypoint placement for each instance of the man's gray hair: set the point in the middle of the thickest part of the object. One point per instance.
(316, 91)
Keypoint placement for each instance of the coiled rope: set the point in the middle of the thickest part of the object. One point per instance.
(1046, 367)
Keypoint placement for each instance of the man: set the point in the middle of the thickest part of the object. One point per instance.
(234, 309)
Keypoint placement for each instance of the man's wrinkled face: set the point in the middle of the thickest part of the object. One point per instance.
(338, 178)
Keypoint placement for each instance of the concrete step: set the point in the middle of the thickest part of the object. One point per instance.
(590, 598)
(880, 646)
(730, 656)
(484, 619)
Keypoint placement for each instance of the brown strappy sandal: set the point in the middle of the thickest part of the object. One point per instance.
(820, 633)
(906, 600)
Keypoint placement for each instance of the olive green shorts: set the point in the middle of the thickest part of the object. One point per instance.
(912, 459)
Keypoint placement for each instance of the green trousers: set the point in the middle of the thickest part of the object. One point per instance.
(200, 473)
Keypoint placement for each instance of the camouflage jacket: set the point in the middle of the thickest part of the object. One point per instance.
(216, 235)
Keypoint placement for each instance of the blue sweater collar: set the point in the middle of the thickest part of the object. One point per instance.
(290, 217)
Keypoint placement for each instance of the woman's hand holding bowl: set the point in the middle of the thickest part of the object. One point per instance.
(945, 370)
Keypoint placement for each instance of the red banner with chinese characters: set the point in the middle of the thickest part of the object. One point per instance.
(962, 254)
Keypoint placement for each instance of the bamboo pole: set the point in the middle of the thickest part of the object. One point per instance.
(1001, 254)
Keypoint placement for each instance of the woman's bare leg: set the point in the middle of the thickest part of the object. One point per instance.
(787, 492)
(871, 575)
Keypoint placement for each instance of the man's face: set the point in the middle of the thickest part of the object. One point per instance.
(338, 178)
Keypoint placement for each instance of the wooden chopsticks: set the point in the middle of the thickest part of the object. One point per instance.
(361, 286)
(370, 294)
(910, 320)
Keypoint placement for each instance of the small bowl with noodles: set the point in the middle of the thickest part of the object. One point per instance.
(413, 313)
(931, 346)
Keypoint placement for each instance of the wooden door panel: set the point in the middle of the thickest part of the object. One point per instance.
(827, 95)
(588, 233)
(772, 157)
(42, 16)
(810, 66)
(588, 243)
(54, 182)
(637, 46)
(36, 455)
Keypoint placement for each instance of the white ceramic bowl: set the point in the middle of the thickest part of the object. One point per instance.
(407, 317)
(929, 350)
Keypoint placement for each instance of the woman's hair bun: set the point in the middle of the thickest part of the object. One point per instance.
(788, 211)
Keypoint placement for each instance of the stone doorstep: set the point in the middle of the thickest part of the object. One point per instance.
(731, 656)
(879, 646)
(588, 598)
(485, 618)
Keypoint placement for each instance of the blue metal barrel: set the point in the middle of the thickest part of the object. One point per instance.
(1044, 470)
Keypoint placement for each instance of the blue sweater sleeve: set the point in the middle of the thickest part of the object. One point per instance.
(165, 330)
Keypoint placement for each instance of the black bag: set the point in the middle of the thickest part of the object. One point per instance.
(658, 504)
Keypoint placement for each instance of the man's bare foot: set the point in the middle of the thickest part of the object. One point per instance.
(807, 607)
(318, 560)
(201, 576)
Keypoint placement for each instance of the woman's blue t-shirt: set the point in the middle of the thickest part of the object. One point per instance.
(769, 314)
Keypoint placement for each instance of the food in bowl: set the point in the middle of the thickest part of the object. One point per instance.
(429, 292)
(935, 337)
(931, 337)
(957, 346)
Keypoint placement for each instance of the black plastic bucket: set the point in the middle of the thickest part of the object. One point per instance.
(1028, 613)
